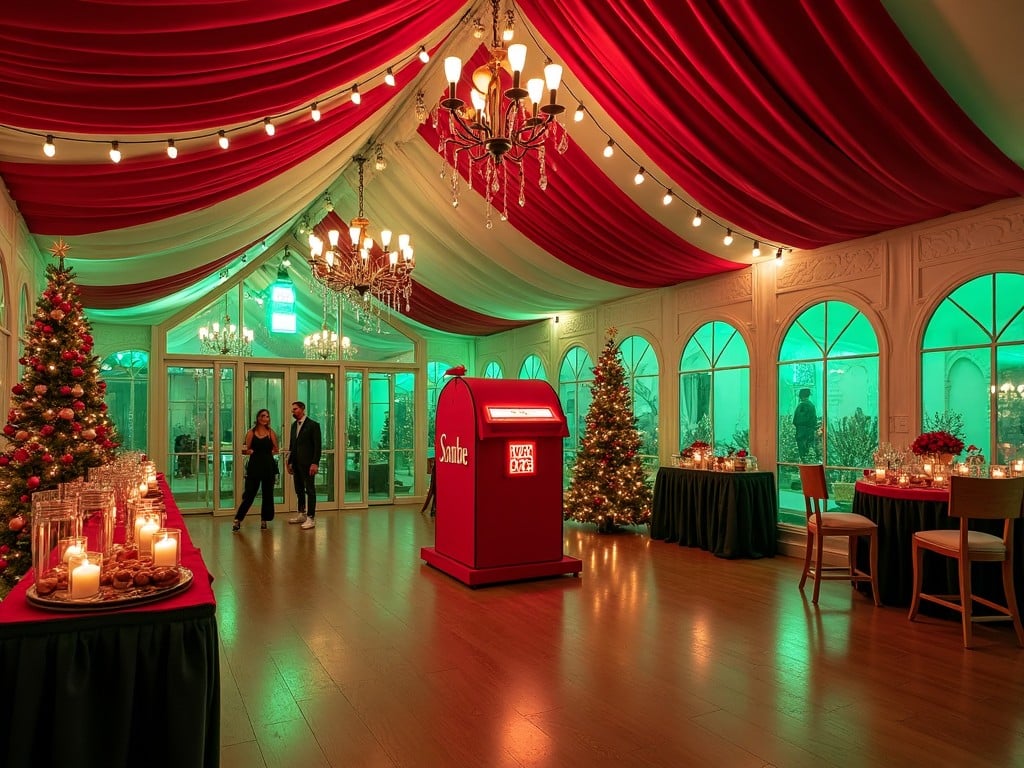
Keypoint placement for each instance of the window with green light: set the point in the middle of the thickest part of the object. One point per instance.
(532, 368)
(493, 370)
(714, 389)
(641, 368)
(972, 365)
(828, 402)
(575, 376)
(435, 383)
(126, 374)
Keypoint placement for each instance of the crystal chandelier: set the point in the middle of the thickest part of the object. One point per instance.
(359, 271)
(348, 349)
(498, 126)
(323, 344)
(226, 339)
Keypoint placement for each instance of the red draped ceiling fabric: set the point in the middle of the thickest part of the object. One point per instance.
(809, 123)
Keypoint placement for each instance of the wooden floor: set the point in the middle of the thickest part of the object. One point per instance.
(339, 647)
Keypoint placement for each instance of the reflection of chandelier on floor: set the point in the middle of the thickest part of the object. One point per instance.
(359, 271)
(226, 339)
(499, 126)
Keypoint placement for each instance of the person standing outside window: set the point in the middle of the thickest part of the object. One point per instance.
(260, 445)
(304, 447)
(805, 423)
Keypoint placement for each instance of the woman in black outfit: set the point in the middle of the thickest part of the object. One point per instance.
(260, 471)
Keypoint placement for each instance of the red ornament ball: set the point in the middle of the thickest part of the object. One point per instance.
(66, 306)
(101, 430)
(46, 430)
(68, 354)
(47, 457)
(4, 461)
(78, 405)
(3, 563)
(20, 454)
(16, 523)
(47, 329)
(77, 372)
(4, 549)
(66, 413)
(67, 458)
(33, 482)
(65, 390)
(18, 389)
(9, 430)
(76, 426)
(40, 368)
(24, 498)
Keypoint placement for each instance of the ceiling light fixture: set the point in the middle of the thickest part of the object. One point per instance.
(323, 344)
(501, 125)
(226, 339)
(359, 270)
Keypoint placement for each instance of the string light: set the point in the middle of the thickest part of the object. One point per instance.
(356, 98)
(640, 176)
(115, 153)
(778, 256)
(578, 115)
(172, 151)
(222, 139)
(698, 218)
(424, 56)
(609, 148)
(49, 148)
(667, 199)
(727, 240)
(756, 250)
(314, 112)
(268, 126)
(389, 78)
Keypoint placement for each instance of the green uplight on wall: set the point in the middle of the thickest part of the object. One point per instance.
(282, 303)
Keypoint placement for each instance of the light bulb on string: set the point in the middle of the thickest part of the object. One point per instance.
(609, 148)
(115, 152)
(314, 112)
(698, 219)
(49, 148)
(424, 56)
(268, 126)
(667, 199)
(756, 250)
(640, 177)
(172, 151)
(389, 78)
(727, 240)
(579, 114)
(222, 139)
(356, 98)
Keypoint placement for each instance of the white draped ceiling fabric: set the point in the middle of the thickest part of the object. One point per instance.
(791, 123)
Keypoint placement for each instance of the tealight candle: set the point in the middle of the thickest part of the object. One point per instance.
(963, 469)
(927, 467)
(70, 547)
(904, 480)
(879, 474)
(998, 472)
(165, 547)
(146, 536)
(84, 576)
(939, 480)
(1018, 467)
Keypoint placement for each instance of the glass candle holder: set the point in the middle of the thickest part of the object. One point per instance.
(903, 480)
(84, 575)
(166, 546)
(1018, 467)
(998, 471)
(879, 474)
(67, 548)
(52, 521)
(938, 481)
(145, 527)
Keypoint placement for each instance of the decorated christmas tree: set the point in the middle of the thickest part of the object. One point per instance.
(57, 426)
(609, 484)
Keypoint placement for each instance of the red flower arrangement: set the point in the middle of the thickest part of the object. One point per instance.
(697, 446)
(741, 453)
(937, 442)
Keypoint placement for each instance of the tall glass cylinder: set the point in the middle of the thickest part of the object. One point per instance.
(99, 514)
(52, 520)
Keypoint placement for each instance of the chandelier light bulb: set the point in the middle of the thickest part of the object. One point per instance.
(115, 153)
(333, 236)
(424, 56)
(222, 139)
(517, 58)
(385, 238)
(640, 177)
(698, 219)
(314, 112)
(756, 250)
(268, 126)
(578, 115)
(379, 161)
(727, 240)
(49, 148)
(389, 78)
(403, 242)
(356, 98)
(535, 90)
(172, 151)
(609, 148)
(667, 199)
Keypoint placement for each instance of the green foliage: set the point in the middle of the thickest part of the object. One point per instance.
(609, 482)
(945, 421)
(852, 441)
(58, 424)
(788, 453)
(701, 431)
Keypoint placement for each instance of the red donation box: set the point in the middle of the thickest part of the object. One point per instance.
(498, 464)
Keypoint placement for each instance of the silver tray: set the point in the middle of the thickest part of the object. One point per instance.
(110, 598)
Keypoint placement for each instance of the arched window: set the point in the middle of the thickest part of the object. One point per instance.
(126, 374)
(714, 389)
(972, 365)
(828, 402)
(641, 368)
(493, 370)
(435, 383)
(532, 368)
(575, 376)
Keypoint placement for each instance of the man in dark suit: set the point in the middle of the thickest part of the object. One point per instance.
(304, 446)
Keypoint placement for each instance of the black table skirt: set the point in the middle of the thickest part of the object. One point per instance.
(84, 695)
(731, 514)
(898, 520)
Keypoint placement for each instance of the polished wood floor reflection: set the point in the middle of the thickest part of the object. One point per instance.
(339, 647)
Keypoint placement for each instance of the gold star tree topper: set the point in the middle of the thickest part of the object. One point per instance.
(60, 249)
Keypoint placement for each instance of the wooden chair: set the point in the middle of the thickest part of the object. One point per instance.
(974, 498)
(821, 524)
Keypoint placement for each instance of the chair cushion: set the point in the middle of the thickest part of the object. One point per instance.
(976, 540)
(845, 520)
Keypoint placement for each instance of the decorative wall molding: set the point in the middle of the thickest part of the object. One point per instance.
(112, 338)
(824, 268)
(971, 237)
(732, 288)
(538, 333)
(633, 311)
(578, 324)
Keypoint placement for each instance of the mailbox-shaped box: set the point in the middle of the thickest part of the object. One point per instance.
(498, 465)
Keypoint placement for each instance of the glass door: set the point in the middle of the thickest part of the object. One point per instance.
(385, 436)
(265, 389)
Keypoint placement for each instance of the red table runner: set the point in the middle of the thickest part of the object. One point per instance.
(908, 493)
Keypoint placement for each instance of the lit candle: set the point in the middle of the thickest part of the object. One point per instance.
(146, 536)
(84, 580)
(963, 469)
(998, 472)
(140, 520)
(1018, 466)
(165, 551)
(74, 548)
(904, 480)
(879, 474)
(143, 487)
(939, 480)
(927, 469)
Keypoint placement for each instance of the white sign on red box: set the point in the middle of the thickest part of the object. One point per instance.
(521, 458)
(504, 413)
